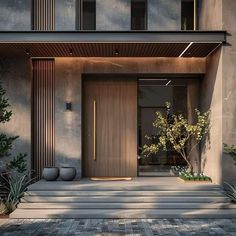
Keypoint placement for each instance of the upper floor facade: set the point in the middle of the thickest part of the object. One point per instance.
(99, 15)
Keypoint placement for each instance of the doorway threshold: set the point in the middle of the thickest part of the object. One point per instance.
(111, 178)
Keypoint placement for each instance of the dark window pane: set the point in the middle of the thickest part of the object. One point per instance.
(88, 15)
(85, 14)
(138, 15)
(187, 15)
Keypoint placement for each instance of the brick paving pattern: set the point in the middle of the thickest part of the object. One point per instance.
(130, 227)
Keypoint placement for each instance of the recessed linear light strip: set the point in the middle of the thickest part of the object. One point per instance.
(153, 79)
(185, 49)
(168, 82)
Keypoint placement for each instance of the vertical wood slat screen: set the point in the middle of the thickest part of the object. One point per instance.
(43, 14)
(43, 133)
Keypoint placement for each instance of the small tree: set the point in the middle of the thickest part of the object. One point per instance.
(175, 132)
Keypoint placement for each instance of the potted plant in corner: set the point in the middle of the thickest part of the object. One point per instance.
(230, 188)
(176, 132)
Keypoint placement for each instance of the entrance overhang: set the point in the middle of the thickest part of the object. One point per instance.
(111, 43)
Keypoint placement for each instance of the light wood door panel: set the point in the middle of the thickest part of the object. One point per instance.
(116, 127)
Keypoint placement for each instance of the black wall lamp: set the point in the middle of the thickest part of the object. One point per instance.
(68, 106)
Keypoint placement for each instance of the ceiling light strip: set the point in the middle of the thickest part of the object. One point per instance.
(168, 82)
(185, 49)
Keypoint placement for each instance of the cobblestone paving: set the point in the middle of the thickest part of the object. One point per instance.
(96, 227)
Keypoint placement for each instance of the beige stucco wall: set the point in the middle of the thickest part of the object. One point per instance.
(68, 88)
(229, 87)
(218, 90)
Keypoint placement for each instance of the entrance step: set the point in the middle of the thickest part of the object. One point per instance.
(140, 198)
(137, 199)
(125, 193)
(116, 205)
(119, 213)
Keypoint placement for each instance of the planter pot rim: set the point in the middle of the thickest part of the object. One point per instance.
(67, 167)
(51, 167)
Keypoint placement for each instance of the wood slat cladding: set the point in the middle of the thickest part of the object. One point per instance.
(109, 146)
(108, 49)
(43, 14)
(201, 49)
(43, 132)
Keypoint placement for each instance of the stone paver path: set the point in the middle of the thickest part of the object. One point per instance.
(96, 227)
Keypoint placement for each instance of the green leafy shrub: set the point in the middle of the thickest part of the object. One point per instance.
(184, 174)
(18, 163)
(175, 132)
(231, 150)
(230, 191)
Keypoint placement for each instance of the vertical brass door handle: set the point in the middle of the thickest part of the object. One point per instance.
(94, 130)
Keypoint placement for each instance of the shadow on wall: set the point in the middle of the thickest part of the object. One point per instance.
(61, 159)
(211, 98)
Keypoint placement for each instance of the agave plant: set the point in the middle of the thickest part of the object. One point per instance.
(14, 189)
(3, 208)
(230, 191)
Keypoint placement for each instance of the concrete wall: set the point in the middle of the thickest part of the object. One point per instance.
(211, 94)
(68, 88)
(218, 90)
(113, 15)
(15, 76)
(15, 15)
(164, 14)
(116, 14)
(110, 14)
(65, 14)
(211, 98)
(193, 102)
(229, 86)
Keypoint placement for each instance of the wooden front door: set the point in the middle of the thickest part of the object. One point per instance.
(109, 127)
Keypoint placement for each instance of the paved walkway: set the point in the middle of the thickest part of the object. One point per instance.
(171, 227)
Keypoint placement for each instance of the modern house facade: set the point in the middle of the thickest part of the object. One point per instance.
(85, 77)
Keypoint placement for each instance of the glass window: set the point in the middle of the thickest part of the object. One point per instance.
(138, 14)
(187, 15)
(86, 15)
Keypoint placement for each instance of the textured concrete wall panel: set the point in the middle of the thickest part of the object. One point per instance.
(113, 15)
(210, 15)
(65, 14)
(15, 15)
(16, 79)
(164, 15)
(68, 88)
(211, 98)
(229, 87)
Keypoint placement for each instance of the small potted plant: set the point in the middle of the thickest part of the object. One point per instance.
(67, 173)
(50, 173)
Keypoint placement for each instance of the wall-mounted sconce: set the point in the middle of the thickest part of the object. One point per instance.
(68, 106)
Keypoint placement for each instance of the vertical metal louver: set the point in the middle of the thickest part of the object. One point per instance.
(43, 14)
(43, 130)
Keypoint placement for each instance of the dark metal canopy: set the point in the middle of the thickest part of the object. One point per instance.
(111, 43)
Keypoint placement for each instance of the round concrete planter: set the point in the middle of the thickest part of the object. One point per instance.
(50, 173)
(67, 173)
